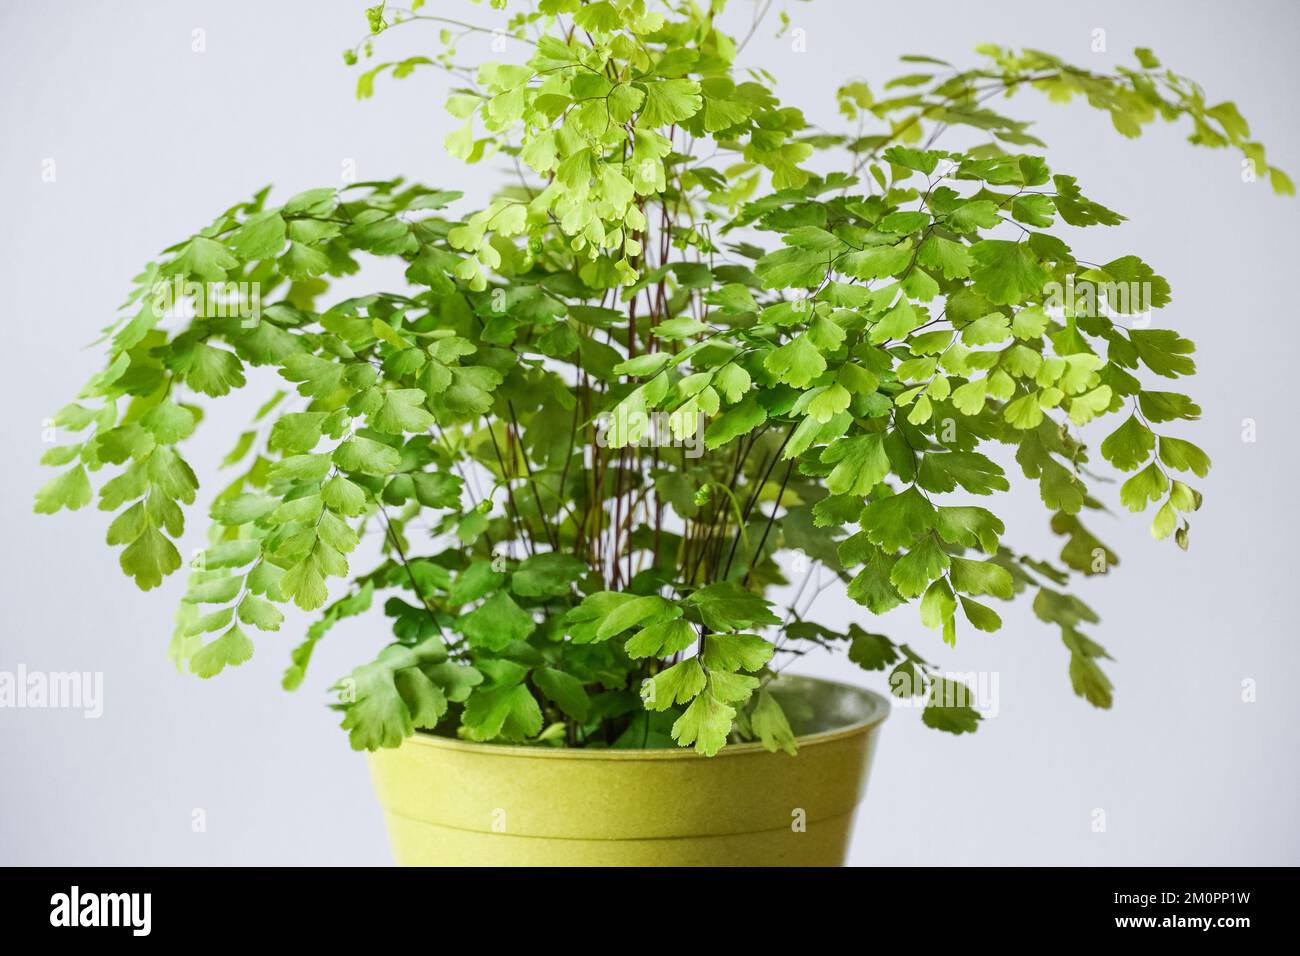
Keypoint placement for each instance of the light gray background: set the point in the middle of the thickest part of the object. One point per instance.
(151, 140)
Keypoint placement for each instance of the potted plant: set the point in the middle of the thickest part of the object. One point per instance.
(614, 415)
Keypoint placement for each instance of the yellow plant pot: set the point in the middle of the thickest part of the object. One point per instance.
(454, 803)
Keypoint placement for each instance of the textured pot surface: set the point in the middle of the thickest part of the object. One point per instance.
(454, 803)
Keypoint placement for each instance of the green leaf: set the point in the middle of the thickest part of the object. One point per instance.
(213, 589)
(497, 623)
(231, 554)
(796, 363)
(1281, 182)
(731, 652)
(969, 398)
(705, 723)
(478, 580)
(792, 268)
(662, 639)
(229, 650)
(871, 587)
(303, 261)
(969, 527)
(1007, 273)
(722, 110)
(947, 709)
(1038, 211)
(981, 618)
(950, 258)
(297, 432)
(732, 688)
(992, 328)
(213, 371)
(438, 489)
(150, 558)
(343, 496)
(726, 606)
(876, 262)
(366, 456)
(1025, 412)
(1147, 485)
(304, 584)
(1129, 445)
(565, 690)
(637, 610)
(319, 377)
(897, 521)
(1184, 456)
(974, 215)
(1086, 677)
(1167, 407)
(1029, 323)
(871, 652)
(971, 470)
(770, 726)
(914, 571)
(424, 699)
(205, 259)
(731, 298)
(547, 575)
(674, 685)
(471, 527)
(301, 468)
(128, 525)
(1165, 522)
(381, 235)
(430, 268)
(243, 509)
(70, 489)
(903, 222)
(1077, 210)
(739, 420)
(1163, 351)
(260, 237)
(384, 701)
(643, 366)
(214, 621)
(670, 101)
(922, 161)
(510, 713)
(456, 680)
(402, 411)
(169, 422)
(260, 613)
(1084, 408)
(860, 464)
(981, 577)
(896, 323)
(469, 392)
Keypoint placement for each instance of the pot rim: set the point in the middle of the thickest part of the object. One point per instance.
(880, 708)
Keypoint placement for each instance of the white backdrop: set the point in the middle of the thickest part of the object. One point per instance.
(151, 139)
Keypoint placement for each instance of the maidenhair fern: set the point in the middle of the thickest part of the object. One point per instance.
(667, 373)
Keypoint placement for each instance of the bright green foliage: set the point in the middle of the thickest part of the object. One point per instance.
(566, 555)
